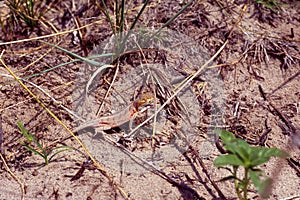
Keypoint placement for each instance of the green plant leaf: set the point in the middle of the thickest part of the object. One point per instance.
(89, 61)
(226, 136)
(29, 148)
(42, 149)
(137, 18)
(243, 151)
(172, 18)
(236, 146)
(228, 139)
(270, 152)
(31, 138)
(24, 131)
(261, 183)
(260, 155)
(229, 159)
(240, 153)
(64, 148)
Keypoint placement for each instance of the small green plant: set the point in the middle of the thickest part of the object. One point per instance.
(241, 154)
(118, 20)
(26, 11)
(271, 4)
(46, 153)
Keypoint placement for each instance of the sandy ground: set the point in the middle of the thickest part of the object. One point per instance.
(262, 50)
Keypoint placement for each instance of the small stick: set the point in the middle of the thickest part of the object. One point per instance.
(79, 173)
(295, 133)
(285, 82)
(14, 176)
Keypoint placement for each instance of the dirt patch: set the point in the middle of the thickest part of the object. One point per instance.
(176, 160)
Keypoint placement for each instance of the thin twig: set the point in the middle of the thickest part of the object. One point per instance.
(108, 91)
(50, 35)
(284, 83)
(14, 176)
(47, 94)
(295, 132)
(147, 165)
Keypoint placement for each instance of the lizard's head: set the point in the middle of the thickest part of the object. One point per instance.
(145, 99)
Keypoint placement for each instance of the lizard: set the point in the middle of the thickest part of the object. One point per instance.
(111, 121)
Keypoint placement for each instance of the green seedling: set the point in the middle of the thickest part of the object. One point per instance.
(118, 20)
(121, 36)
(117, 27)
(46, 153)
(26, 11)
(241, 154)
(271, 4)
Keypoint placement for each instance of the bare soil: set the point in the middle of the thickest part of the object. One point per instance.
(262, 52)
